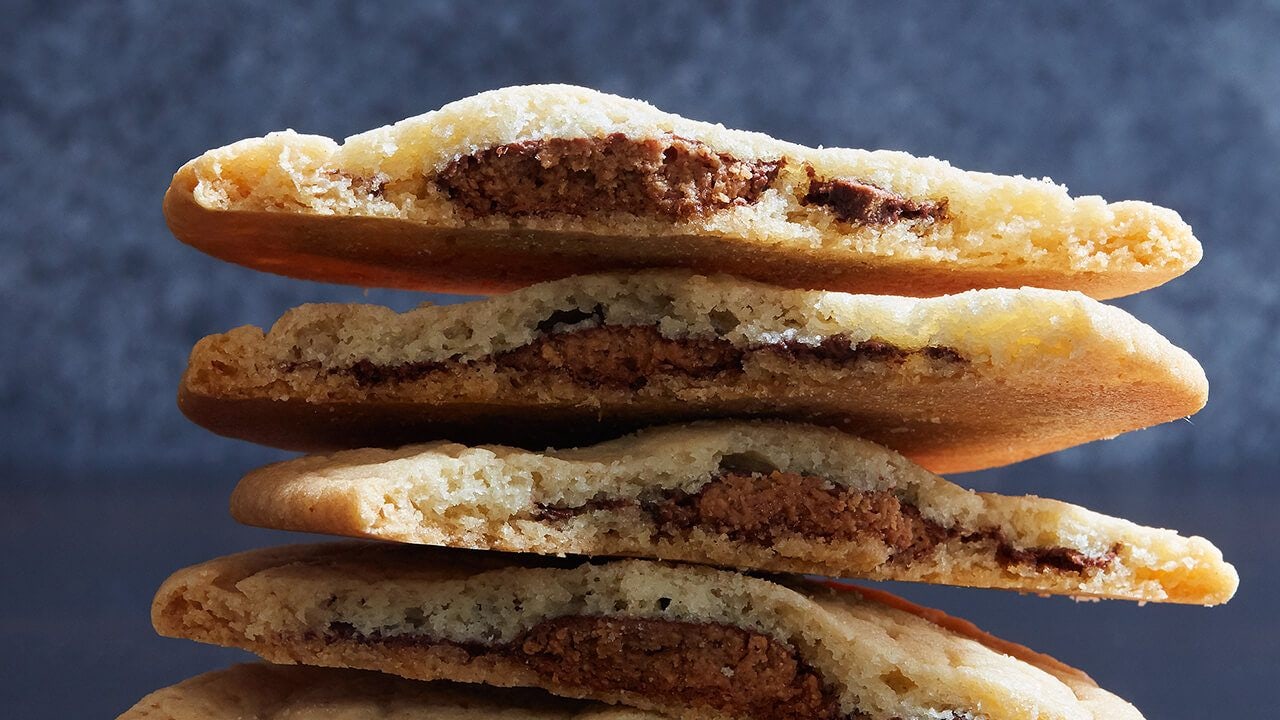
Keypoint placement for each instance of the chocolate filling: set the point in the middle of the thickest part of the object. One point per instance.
(732, 671)
(1052, 558)
(761, 509)
(622, 356)
(854, 201)
(672, 178)
(629, 356)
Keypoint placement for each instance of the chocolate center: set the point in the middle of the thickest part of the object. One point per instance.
(631, 356)
(673, 178)
(853, 201)
(763, 508)
(722, 668)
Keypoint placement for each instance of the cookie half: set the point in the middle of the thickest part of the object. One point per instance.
(683, 640)
(527, 184)
(758, 496)
(959, 382)
(289, 692)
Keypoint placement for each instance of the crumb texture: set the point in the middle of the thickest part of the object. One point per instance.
(1023, 327)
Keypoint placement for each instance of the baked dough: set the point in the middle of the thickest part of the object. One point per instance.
(955, 383)
(258, 691)
(526, 184)
(757, 496)
(688, 641)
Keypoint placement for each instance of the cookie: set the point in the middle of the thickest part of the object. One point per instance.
(527, 184)
(752, 496)
(289, 692)
(955, 383)
(687, 641)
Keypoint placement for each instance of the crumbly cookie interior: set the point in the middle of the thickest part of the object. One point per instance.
(832, 653)
(776, 496)
(568, 159)
(997, 326)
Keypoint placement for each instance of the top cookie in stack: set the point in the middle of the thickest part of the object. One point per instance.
(678, 272)
(527, 184)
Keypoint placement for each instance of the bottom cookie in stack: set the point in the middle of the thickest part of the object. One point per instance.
(280, 692)
(681, 640)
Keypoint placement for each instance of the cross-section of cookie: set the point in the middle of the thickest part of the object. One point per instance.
(527, 184)
(751, 496)
(259, 691)
(956, 383)
(686, 641)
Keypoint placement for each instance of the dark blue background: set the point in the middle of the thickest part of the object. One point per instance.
(106, 488)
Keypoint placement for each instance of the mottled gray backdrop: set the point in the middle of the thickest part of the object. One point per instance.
(108, 488)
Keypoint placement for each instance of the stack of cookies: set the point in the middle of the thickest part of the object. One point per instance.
(717, 366)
